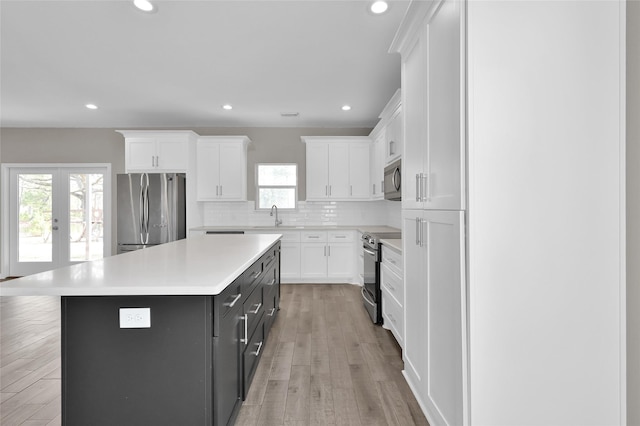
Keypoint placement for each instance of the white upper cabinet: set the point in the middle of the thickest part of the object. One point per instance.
(222, 168)
(338, 168)
(377, 156)
(391, 116)
(157, 151)
(433, 90)
(387, 143)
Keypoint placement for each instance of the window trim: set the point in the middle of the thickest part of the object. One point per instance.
(258, 186)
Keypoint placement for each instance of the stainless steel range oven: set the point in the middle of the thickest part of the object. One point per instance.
(372, 253)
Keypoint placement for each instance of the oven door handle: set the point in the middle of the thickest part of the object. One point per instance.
(372, 253)
(364, 296)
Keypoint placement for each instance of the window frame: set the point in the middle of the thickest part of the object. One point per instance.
(258, 187)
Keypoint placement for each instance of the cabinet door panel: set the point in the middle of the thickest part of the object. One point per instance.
(445, 156)
(290, 260)
(228, 380)
(339, 171)
(208, 159)
(313, 260)
(172, 155)
(317, 171)
(232, 172)
(415, 301)
(140, 153)
(446, 306)
(341, 260)
(414, 69)
(359, 171)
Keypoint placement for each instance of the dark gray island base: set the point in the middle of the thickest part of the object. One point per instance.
(192, 366)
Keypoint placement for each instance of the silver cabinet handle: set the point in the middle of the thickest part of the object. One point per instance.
(326, 190)
(350, 189)
(255, 275)
(421, 232)
(424, 187)
(216, 190)
(273, 281)
(339, 236)
(157, 161)
(257, 352)
(245, 340)
(417, 187)
(372, 253)
(233, 302)
(273, 311)
(258, 306)
(313, 236)
(374, 188)
(329, 190)
(417, 231)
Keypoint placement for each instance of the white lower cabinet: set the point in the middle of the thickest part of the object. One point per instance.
(392, 287)
(289, 260)
(289, 252)
(435, 312)
(327, 255)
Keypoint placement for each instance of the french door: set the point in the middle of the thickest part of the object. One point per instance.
(58, 216)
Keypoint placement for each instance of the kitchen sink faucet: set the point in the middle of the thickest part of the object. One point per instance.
(278, 222)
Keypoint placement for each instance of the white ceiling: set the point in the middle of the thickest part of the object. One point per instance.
(178, 66)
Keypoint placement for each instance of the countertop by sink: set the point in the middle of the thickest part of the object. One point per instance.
(361, 228)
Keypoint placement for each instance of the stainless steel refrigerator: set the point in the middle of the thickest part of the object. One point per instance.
(151, 210)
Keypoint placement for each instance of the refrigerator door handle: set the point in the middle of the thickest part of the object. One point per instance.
(144, 208)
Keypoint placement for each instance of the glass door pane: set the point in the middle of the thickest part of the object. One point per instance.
(86, 212)
(35, 220)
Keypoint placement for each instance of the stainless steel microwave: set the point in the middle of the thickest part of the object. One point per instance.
(393, 181)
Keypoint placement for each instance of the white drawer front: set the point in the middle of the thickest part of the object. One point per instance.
(392, 259)
(341, 236)
(393, 317)
(313, 236)
(392, 284)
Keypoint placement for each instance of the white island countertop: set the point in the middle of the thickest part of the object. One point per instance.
(203, 265)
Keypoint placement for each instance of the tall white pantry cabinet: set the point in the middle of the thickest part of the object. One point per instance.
(514, 211)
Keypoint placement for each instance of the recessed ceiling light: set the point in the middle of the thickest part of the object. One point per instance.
(227, 107)
(346, 107)
(144, 5)
(91, 106)
(379, 7)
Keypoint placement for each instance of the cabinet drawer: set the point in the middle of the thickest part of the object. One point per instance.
(392, 284)
(392, 259)
(229, 299)
(271, 299)
(250, 356)
(313, 236)
(341, 236)
(393, 317)
(269, 258)
(252, 309)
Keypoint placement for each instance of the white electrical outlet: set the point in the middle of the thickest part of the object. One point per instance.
(135, 317)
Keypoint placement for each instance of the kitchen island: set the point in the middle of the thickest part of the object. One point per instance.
(166, 335)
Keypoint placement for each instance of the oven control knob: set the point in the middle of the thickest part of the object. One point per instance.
(371, 241)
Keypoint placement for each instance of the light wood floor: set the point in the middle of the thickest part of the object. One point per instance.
(324, 363)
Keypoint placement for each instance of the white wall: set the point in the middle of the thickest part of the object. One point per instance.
(633, 212)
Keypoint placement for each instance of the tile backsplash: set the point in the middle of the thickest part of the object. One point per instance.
(329, 213)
